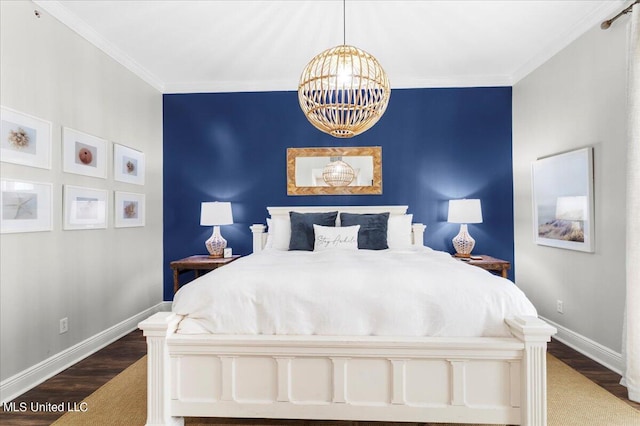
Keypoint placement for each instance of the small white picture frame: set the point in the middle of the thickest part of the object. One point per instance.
(83, 154)
(24, 139)
(84, 208)
(129, 209)
(227, 253)
(25, 206)
(128, 165)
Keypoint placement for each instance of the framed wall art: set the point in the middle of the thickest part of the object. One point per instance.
(563, 200)
(24, 139)
(128, 165)
(129, 209)
(84, 208)
(25, 206)
(83, 154)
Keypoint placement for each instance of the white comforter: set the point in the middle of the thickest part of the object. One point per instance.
(419, 292)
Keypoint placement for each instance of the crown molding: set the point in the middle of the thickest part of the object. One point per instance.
(567, 37)
(62, 14)
(452, 81)
(230, 86)
(291, 85)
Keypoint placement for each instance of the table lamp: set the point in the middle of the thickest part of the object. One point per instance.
(215, 214)
(464, 212)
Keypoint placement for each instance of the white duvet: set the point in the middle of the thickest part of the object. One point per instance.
(418, 292)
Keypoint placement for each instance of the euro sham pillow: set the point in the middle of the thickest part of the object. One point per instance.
(335, 237)
(279, 233)
(302, 234)
(399, 232)
(269, 243)
(373, 229)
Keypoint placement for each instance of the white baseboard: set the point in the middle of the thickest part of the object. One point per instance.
(587, 347)
(18, 384)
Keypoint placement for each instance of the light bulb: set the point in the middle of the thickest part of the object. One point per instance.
(344, 72)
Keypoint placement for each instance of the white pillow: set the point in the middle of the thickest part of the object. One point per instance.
(279, 233)
(269, 243)
(399, 231)
(335, 238)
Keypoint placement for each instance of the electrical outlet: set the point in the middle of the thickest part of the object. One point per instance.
(64, 325)
(560, 306)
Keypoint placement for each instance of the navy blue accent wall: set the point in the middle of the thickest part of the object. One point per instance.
(437, 144)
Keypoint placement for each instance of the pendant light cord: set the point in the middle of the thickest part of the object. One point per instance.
(344, 22)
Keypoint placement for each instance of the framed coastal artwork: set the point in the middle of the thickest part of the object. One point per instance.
(128, 165)
(129, 209)
(83, 154)
(84, 208)
(24, 139)
(25, 206)
(563, 200)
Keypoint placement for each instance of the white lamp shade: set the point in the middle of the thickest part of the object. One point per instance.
(215, 213)
(572, 208)
(465, 211)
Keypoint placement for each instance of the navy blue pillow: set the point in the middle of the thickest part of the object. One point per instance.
(373, 229)
(302, 235)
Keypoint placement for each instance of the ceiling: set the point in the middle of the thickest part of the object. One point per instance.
(235, 46)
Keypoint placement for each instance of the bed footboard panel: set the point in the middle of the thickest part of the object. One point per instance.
(454, 380)
(434, 380)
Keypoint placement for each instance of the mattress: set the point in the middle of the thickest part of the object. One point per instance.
(412, 292)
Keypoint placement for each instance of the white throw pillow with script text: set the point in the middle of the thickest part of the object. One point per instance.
(335, 238)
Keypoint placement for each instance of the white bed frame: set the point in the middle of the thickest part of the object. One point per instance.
(425, 379)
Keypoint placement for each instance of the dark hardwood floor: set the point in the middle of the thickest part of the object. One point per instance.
(79, 381)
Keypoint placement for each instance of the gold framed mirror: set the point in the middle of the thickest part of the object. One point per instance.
(334, 171)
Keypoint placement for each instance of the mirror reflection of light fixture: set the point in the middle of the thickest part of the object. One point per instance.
(305, 166)
(343, 91)
(338, 173)
(464, 212)
(215, 214)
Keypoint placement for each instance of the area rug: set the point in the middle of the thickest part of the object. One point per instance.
(572, 400)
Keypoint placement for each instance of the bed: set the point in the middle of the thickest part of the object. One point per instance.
(205, 360)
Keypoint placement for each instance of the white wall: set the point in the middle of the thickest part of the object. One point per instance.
(576, 99)
(96, 278)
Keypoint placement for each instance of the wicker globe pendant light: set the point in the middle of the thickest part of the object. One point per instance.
(343, 91)
(338, 173)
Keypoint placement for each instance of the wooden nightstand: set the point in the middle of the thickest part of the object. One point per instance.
(197, 263)
(489, 263)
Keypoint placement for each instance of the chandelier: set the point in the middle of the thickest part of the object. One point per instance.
(338, 173)
(343, 91)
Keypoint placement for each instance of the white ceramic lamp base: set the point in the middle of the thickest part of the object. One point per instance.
(463, 243)
(216, 244)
